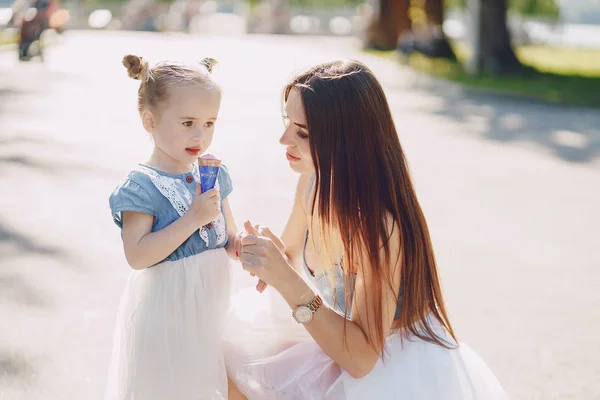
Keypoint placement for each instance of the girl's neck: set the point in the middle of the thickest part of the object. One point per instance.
(163, 162)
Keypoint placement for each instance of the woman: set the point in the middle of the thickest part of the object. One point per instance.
(355, 265)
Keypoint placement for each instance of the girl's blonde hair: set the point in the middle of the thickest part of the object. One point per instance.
(156, 81)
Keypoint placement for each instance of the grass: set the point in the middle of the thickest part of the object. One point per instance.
(561, 75)
(7, 37)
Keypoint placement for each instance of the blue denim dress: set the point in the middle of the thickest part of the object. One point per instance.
(139, 193)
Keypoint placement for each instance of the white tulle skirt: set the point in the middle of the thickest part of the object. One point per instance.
(167, 337)
(270, 356)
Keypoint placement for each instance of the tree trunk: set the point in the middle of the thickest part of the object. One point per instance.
(438, 45)
(497, 54)
(390, 21)
(435, 12)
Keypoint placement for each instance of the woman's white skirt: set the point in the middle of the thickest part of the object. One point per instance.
(167, 337)
(270, 356)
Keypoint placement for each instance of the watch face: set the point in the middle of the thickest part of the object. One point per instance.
(303, 314)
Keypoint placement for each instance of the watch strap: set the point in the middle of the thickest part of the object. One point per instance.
(315, 303)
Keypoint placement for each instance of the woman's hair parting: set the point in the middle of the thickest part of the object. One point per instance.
(156, 80)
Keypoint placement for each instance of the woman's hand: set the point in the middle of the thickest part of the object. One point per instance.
(262, 255)
(257, 230)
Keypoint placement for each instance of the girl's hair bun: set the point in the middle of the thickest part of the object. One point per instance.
(137, 67)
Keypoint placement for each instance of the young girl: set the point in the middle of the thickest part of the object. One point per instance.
(177, 240)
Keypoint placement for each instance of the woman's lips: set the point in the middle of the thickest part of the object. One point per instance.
(291, 157)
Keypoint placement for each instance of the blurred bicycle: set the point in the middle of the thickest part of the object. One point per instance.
(37, 17)
(35, 21)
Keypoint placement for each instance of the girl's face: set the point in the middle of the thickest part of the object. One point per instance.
(296, 136)
(184, 128)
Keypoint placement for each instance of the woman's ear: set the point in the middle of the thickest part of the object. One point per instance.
(148, 121)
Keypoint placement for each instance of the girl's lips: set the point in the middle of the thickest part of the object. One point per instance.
(193, 151)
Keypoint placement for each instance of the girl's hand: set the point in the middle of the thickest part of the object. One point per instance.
(205, 207)
(262, 256)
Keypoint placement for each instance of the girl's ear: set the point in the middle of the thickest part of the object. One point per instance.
(148, 121)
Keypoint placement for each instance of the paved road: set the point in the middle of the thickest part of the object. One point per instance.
(511, 191)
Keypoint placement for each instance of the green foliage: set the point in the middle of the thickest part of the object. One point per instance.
(525, 7)
(559, 75)
(535, 7)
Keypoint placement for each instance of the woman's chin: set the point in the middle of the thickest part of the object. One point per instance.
(300, 167)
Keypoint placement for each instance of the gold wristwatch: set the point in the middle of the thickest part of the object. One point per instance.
(304, 314)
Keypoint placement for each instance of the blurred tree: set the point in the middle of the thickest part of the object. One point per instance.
(389, 22)
(492, 46)
(436, 45)
(410, 25)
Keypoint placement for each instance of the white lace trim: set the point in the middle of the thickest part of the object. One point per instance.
(180, 198)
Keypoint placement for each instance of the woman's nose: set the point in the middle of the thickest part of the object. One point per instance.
(286, 139)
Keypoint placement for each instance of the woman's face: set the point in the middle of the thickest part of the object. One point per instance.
(295, 136)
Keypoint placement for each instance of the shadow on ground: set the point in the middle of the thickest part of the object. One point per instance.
(13, 244)
(14, 367)
(570, 133)
(23, 150)
(15, 247)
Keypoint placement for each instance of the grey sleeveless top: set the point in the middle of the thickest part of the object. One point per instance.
(334, 298)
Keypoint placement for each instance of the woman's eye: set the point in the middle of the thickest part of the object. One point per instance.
(302, 135)
(188, 123)
(209, 124)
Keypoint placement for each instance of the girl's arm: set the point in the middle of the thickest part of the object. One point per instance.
(144, 248)
(232, 230)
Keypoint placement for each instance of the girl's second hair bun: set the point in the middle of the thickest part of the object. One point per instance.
(209, 63)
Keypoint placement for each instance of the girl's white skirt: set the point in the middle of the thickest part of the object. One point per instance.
(167, 337)
(270, 356)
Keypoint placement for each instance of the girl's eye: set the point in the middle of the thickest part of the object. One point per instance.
(302, 135)
(209, 124)
(188, 123)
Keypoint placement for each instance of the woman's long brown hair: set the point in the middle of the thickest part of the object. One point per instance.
(362, 181)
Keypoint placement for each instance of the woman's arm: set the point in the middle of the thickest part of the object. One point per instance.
(291, 244)
(295, 230)
(355, 353)
(294, 233)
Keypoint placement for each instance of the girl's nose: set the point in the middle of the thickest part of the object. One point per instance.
(201, 135)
